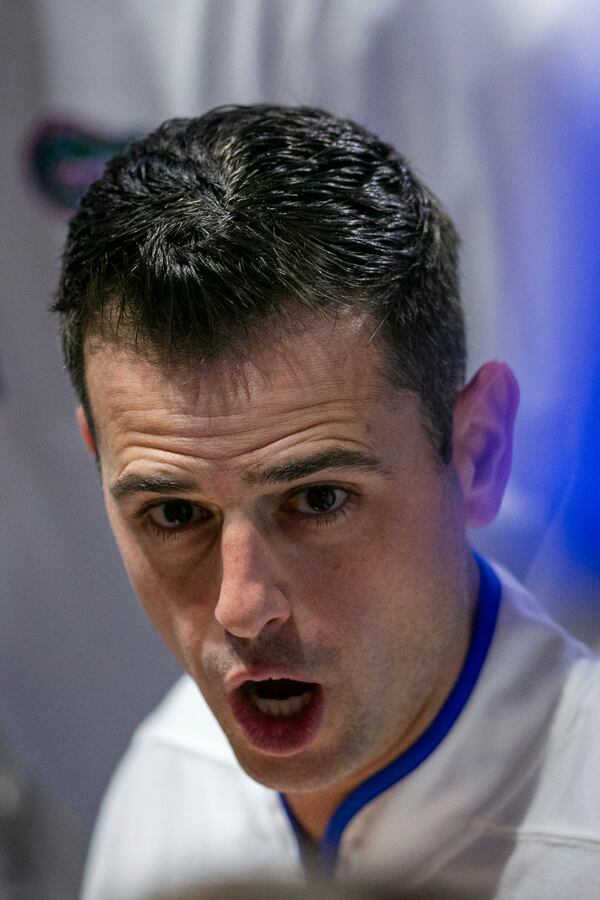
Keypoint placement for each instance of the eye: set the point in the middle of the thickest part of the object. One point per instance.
(322, 498)
(173, 514)
(319, 499)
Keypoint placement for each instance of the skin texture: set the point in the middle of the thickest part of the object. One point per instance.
(372, 599)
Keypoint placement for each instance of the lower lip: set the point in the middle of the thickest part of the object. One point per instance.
(278, 735)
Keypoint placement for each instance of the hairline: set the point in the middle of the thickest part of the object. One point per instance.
(389, 372)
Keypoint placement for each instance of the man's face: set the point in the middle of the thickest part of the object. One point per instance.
(295, 541)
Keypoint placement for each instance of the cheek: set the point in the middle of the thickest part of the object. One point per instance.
(331, 595)
(156, 600)
(171, 604)
(181, 608)
(413, 542)
(390, 590)
(182, 618)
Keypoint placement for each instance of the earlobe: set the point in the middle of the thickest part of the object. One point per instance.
(484, 417)
(85, 430)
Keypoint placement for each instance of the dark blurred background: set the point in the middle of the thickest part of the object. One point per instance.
(497, 104)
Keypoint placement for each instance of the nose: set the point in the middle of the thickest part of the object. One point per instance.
(252, 597)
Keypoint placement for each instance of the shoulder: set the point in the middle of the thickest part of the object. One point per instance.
(183, 724)
(179, 751)
(568, 768)
(557, 835)
(557, 843)
(177, 800)
(178, 755)
(570, 776)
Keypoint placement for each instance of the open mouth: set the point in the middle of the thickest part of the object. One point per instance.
(279, 696)
(279, 716)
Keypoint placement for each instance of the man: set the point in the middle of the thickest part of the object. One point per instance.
(260, 315)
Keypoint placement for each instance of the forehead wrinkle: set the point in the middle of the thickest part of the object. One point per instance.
(215, 415)
(199, 435)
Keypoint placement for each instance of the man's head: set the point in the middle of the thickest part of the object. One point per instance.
(261, 317)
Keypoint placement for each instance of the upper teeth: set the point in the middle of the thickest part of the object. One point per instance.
(281, 707)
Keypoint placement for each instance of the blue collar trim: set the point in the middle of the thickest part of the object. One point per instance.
(486, 614)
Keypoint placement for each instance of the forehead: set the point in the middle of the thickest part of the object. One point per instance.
(325, 359)
(326, 383)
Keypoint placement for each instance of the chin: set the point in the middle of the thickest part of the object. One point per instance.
(305, 773)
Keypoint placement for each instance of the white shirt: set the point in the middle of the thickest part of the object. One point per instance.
(503, 802)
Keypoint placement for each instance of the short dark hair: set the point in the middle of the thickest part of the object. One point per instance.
(201, 232)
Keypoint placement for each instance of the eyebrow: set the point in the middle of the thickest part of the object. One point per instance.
(336, 457)
(152, 484)
(293, 470)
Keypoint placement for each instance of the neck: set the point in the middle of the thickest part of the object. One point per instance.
(313, 812)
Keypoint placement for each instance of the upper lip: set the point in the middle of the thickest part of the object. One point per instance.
(237, 678)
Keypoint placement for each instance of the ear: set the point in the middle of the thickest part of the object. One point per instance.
(86, 431)
(484, 417)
